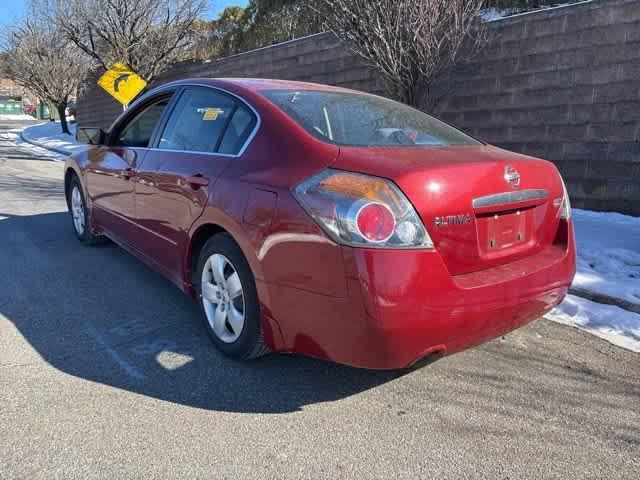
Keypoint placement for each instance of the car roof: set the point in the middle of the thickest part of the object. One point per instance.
(251, 86)
(260, 84)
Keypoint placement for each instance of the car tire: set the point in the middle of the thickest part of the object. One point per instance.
(80, 214)
(232, 319)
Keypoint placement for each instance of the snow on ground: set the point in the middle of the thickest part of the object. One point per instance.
(608, 254)
(49, 135)
(608, 250)
(618, 326)
(13, 136)
(492, 14)
(12, 116)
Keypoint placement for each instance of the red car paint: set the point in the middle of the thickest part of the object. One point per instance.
(374, 308)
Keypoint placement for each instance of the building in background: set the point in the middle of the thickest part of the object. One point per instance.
(17, 100)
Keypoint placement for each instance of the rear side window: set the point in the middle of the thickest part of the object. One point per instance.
(138, 131)
(198, 121)
(240, 127)
(346, 118)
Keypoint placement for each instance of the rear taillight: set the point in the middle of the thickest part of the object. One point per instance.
(375, 222)
(565, 206)
(361, 210)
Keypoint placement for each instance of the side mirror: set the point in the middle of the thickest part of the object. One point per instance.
(90, 135)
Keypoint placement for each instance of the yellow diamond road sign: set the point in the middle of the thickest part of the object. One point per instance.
(122, 83)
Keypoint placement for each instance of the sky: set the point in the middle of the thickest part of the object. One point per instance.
(12, 9)
(217, 6)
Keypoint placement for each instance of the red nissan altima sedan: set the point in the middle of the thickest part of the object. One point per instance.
(325, 221)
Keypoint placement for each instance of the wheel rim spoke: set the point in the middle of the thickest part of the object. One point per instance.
(234, 287)
(236, 320)
(218, 263)
(210, 292)
(219, 322)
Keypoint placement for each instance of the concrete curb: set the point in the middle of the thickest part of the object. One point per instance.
(606, 299)
(41, 145)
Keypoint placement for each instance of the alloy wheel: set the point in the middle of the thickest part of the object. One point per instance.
(77, 210)
(223, 298)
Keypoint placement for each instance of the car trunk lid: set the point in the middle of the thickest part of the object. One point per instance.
(482, 206)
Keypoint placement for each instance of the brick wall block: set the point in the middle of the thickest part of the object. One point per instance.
(562, 84)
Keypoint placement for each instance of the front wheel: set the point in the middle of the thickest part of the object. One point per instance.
(228, 299)
(80, 214)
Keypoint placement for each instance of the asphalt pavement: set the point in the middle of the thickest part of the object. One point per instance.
(12, 147)
(107, 372)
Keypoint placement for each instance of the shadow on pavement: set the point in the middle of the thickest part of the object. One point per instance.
(33, 188)
(99, 314)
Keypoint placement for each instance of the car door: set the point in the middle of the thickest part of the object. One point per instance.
(201, 134)
(110, 172)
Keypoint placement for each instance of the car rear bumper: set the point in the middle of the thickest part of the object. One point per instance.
(404, 305)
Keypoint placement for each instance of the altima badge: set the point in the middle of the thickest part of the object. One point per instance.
(512, 176)
(452, 220)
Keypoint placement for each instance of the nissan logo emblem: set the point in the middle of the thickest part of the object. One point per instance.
(512, 176)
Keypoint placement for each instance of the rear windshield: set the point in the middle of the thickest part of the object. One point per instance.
(364, 120)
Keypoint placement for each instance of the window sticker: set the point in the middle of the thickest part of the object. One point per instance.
(211, 113)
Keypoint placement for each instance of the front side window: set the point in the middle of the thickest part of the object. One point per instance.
(353, 119)
(198, 121)
(138, 132)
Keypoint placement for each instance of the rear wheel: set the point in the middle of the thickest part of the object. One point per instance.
(80, 214)
(228, 299)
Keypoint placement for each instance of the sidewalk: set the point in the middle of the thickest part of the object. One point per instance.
(49, 135)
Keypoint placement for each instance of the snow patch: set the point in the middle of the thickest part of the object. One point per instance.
(493, 14)
(49, 135)
(618, 326)
(13, 136)
(19, 116)
(608, 263)
(608, 251)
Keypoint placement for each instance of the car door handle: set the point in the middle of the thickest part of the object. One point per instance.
(197, 181)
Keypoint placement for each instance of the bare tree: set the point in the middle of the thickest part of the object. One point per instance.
(291, 19)
(147, 35)
(220, 37)
(42, 60)
(412, 43)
